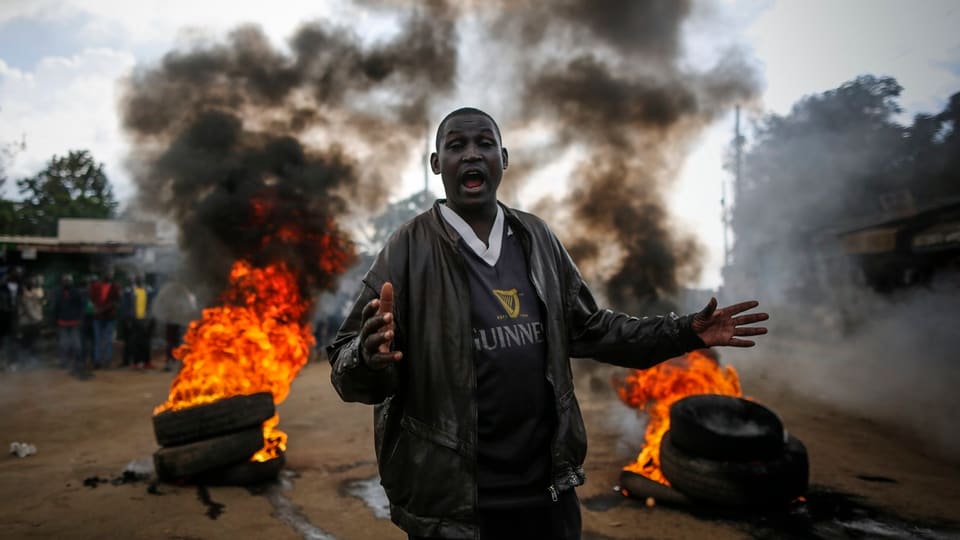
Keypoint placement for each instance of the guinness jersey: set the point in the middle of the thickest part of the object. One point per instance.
(516, 419)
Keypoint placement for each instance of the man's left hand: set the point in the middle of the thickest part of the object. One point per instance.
(720, 326)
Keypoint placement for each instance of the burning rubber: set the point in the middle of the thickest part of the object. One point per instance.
(186, 460)
(214, 443)
(771, 482)
(223, 416)
(726, 428)
(725, 451)
(239, 360)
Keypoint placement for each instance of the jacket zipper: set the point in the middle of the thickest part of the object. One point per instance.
(476, 483)
(556, 407)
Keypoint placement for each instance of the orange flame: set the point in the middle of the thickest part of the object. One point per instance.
(654, 390)
(254, 342)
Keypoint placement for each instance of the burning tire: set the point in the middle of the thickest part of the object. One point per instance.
(726, 428)
(243, 474)
(640, 487)
(186, 460)
(228, 415)
(768, 482)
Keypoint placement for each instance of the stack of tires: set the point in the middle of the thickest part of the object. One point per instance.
(732, 452)
(212, 444)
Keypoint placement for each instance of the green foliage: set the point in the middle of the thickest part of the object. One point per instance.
(8, 216)
(8, 209)
(838, 160)
(822, 161)
(71, 186)
(841, 157)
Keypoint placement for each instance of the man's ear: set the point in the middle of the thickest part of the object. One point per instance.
(506, 157)
(435, 163)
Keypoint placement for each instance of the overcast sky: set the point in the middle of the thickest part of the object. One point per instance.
(60, 62)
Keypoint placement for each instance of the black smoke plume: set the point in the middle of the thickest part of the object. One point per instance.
(608, 78)
(255, 152)
(219, 125)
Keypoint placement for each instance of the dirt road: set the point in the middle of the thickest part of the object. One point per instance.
(865, 477)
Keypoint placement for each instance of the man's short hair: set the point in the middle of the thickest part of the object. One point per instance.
(464, 111)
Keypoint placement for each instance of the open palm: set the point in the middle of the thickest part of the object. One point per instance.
(724, 326)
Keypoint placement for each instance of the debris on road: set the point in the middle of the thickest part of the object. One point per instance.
(22, 450)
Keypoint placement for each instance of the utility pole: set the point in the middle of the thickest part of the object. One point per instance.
(426, 163)
(727, 212)
(738, 145)
(724, 215)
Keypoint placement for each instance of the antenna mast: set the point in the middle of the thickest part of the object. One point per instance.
(737, 171)
(426, 163)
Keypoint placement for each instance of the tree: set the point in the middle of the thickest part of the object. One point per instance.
(8, 213)
(934, 158)
(839, 160)
(8, 208)
(72, 186)
(824, 163)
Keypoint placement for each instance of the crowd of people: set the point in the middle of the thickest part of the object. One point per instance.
(86, 317)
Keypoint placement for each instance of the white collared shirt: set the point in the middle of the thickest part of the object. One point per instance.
(490, 252)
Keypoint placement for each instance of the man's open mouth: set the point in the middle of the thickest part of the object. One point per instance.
(473, 179)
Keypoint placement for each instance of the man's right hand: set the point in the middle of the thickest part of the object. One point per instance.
(377, 331)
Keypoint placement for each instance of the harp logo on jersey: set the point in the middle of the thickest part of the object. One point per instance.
(510, 301)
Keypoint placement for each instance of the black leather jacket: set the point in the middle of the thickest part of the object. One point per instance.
(426, 410)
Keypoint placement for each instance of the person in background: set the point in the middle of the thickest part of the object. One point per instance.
(10, 292)
(87, 338)
(142, 325)
(105, 295)
(172, 337)
(176, 306)
(68, 313)
(125, 330)
(30, 316)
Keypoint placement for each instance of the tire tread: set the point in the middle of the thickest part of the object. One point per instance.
(228, 415)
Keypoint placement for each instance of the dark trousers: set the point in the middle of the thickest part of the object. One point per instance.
(29, 336)
(9, 347)
(173, 334)
(86, 339)
(558, 521)
(70, 343)
(141, 333)
(125, 332)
